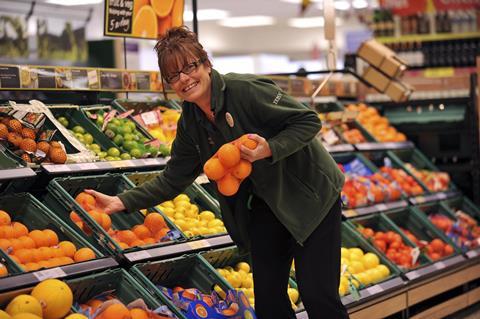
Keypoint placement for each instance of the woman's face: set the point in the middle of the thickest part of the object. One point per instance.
(193, 83)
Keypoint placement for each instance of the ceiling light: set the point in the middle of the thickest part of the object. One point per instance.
(247, 21)
(342, 5)
(74, 2)
(206, 14)
(359, 4)
(299, 1)
(311, 22)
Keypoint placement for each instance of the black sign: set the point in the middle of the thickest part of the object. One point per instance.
(9, 77)
(143, 81)
(118, 17)
(111, 80)
(46, 78)
(79, 79)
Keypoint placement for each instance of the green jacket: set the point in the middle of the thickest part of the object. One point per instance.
(300, 182)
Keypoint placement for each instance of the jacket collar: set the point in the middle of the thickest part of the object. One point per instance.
(218, 88)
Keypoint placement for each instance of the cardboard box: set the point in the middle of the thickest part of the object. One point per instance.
(397, 91)
(381, 57)
(377, 79)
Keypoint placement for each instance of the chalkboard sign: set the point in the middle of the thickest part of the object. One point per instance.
(111, 80)
(142, 19)
(9, 77)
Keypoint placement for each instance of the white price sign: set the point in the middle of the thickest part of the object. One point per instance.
(375, 289)
(138, 255)
(56, 272)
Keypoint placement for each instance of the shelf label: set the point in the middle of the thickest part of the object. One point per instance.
(151, 161)
(56, 272)
(58, 168)
(117, 164)
(439, 73)
(420, 200)
(350, 213)
(87, 166)
(139, 255)
(472, 253)
(441, 196)
(413, 274)
(375, 289)
(439, 265)
(202, 179)
(197, 244)
(381, 207)
(10, 76)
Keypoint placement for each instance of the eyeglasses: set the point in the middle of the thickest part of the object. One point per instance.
(187, 69)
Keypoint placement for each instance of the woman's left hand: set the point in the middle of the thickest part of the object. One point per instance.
(260, 152)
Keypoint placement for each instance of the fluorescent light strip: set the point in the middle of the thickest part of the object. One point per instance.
(360, 4)
(311, 22)
(73, 2)
(300, 1)
(342, 5)
(247, 21)
(206, 14)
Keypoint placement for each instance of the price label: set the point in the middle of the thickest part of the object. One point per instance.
(439, 72)
(197, 244)
(350, 213)
(413, 274)
(150, 118)
(439, 265)
(202, 179)
(117, 164)
(139, 255)
(56, 272)
(59, 168)
(151, 161)
(441, 196)
(87, 166)
(420, 199)
(472, 253)
(375, 289)
(381, 207)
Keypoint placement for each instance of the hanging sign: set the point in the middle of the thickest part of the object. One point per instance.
(141, 18)
(446, 5)
(404, 7)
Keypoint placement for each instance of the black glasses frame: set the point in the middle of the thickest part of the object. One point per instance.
(187, 69)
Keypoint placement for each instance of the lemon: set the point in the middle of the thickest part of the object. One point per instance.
(4, 315)
(181, 197)
(383, 270)
(178, 216)
(344, 253)
(215, 223)
(247, 282)
(356, 267)
(207, 215)
(249, 293)
(168, 203)
(243, 266)
(183, 204)
(370, 260)
(170, 212)
(24, 303)
(293, 294)
(191, 212)
(355, 251)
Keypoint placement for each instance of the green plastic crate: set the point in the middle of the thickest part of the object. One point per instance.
(77, 117)
(25, 208)
(195, 192)
(463, 204)
(419, 225)
(144, 105)
(187, 272)
(379, 222)
(12, 267)
(7, 162)
(419, 161)
(61, 194)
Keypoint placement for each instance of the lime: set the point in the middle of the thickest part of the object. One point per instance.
(113, 151)
(152, 150)
(79, 129)
(100, 120)
(110, 158)
(129, 145)
(118, 139)
(116, 122)
(63, 120)
(136, 153)
(127, 129)
(95, 147)
(131, 124)
(88, 138)
(109, 133)
(102, 154)
(125, 156)
(79, 137)
(128, 137)
(112, 127)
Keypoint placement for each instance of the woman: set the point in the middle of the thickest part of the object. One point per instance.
(289, 207)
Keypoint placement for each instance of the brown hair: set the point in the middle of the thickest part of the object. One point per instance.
(176, 47)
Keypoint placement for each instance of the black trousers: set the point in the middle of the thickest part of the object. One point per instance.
(317, 265)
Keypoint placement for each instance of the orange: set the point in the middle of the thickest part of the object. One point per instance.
(177, 13)
(162, 7)
(6, 231)
(95, 303)
(145, 23)
(247, 142)
(4, 243)
(437, 245)
(149, 241)
(27, 242)
(24, 255)
(116, 311)
(85, 200)
(164, 24)
(68, 248)
(46, 252)
(39, 238)
(106, 221)
(123, 245)
(214, 169)
(142, 231)
(127, 236)
(16, 244)
(229, 155)
(51, 237)
(19, 229)
(242, 169)
(137, 242)
(4, 218)
(228, 185)
(84, 254)
(3, 270)
(154, 222)
(137, 313)
(161, 233)
(137, 5)
(32, 266)
(74, 217)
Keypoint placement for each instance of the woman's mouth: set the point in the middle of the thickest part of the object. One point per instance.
(190, 86)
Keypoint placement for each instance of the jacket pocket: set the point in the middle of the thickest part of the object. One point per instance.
(304, 187)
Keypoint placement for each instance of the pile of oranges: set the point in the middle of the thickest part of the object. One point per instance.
(227, 168)
(37, 249)
(153, 230)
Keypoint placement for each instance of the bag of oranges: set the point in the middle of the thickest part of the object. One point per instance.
(226, 167)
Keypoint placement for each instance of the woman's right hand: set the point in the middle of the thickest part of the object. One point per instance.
(109, 204)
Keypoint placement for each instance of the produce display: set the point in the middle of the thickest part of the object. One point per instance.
(376, 124)
(227, 168)
(359, 268)
(435, 181)
(153, 230)
(464, 231)
(131, 143)
(31, 145)
(189, 219)
(38, 248)
(241, 278)
(351, 135)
